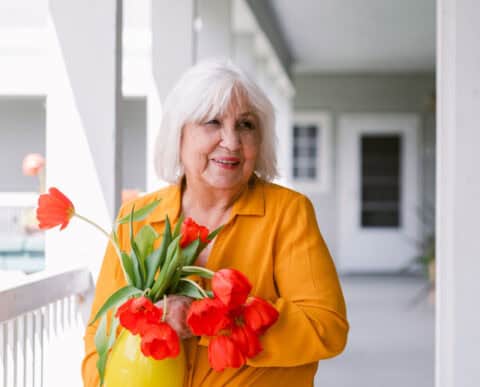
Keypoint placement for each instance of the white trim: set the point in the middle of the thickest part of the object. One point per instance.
(323, 121)
(41, 289)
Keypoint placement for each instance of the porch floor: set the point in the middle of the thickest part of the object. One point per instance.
(391, 340)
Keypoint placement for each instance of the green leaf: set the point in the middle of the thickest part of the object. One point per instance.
(101, 344)
(116, 298)
(168, 228)
(177, 274)
(173, 261)
(178, 227)
(137, 261)
(145, 239)
(140, 214)
(189, 288)
(190, 252)
(197, 270)
(104, 342)
(113, 332)
(137, 274)
(128, 268)
(101, 338)
(156, 258)
(164, 269)
(115, 237)
(214, 233)
(101, 364)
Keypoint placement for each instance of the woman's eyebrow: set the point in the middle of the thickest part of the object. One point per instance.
(246, 114)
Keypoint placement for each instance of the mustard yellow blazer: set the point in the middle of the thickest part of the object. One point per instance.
(273, 237)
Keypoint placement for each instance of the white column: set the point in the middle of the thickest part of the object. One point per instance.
(172, 53)
(458, 194)
(214, 36)
(82, 139)
(284, 134)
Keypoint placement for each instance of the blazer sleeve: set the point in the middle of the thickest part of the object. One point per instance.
(312, 323)
(109, 280)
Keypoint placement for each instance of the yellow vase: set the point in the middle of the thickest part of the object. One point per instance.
(128, 366)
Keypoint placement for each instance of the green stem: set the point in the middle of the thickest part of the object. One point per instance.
(164, 316)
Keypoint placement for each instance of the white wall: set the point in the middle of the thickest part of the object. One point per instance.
(368, 93)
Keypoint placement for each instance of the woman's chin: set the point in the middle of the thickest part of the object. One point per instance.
(227, 182)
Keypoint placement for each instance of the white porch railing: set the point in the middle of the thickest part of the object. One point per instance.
(41, 329)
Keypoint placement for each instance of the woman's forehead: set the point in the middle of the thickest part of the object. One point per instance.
(234, 106)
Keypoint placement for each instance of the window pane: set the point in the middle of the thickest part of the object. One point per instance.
(380, 181)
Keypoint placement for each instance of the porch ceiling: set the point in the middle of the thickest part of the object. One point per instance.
(359, 36)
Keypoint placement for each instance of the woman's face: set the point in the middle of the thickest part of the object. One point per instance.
(221, 153)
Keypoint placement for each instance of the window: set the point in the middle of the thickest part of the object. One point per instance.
(311, 151)
(305, 151)
(380, 180)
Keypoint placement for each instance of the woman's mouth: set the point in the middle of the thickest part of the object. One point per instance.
(227, 162)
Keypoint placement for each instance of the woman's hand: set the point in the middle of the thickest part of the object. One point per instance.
(177, 308)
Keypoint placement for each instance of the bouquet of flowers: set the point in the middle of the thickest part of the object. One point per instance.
(233, 320)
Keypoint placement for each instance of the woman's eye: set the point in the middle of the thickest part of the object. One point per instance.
(247, 124)
(213, 122)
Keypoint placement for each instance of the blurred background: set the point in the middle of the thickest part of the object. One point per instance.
(353, 85)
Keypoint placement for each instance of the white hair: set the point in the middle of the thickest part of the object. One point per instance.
(203, 92)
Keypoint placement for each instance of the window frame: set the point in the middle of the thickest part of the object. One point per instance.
(322, 120)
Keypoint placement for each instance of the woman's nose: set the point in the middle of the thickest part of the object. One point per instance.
(230, 138)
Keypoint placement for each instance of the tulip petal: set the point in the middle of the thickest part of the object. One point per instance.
(259, 315)
(224, 353)
(231, 287)
(54, 209)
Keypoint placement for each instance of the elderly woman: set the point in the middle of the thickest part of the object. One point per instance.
(217, 148)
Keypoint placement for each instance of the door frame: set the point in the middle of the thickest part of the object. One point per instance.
(352, 238)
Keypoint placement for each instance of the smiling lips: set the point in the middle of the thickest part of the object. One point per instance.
(227, 162)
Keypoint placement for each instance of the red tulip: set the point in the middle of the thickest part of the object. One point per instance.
(54, 209)
(191, 231)
(246, 340)
(137, 314)
(32, 164)
(223, 353)
(231, 287)
(259, 315)
(207, 317)
(160, 341)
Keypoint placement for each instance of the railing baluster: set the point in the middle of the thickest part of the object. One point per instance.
(70, 311)
(24, 350)
(9, 353)
(4, 353)
(29, 345)
(61, 313)
(42, 344)
(34, 347)
(15, 352)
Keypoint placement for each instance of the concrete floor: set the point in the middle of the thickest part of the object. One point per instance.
(391, 340)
